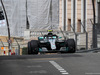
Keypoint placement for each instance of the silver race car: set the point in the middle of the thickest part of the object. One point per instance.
(51, 43)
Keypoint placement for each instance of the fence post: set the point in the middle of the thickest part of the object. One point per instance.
(9, 39)
(86, 40)
(18, 46)
(76, 40)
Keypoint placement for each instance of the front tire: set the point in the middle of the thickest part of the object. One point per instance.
(34, 46)
(71, 46)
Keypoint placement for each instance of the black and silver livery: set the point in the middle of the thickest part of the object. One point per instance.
(51, 43)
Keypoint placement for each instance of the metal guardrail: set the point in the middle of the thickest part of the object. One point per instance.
(90, 50)
(14, 44)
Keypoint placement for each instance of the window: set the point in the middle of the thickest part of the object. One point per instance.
(79, 26)
(69, 24)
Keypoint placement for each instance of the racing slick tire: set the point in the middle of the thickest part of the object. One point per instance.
(34, 46)
(71, 46)
(29, 48)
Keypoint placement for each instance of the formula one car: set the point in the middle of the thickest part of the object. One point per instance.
(51, 43)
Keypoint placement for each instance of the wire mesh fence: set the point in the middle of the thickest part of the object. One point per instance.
(16, 45)
(82, 33)
(84, 38)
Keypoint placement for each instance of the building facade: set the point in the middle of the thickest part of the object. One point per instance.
(77, 16)
(73, 12)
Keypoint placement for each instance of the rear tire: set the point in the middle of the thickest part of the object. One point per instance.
(71, 46)
(34, 46)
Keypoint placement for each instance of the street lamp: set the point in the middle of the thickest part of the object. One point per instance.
(9, 40)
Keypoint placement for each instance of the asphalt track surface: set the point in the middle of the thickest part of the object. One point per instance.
(51, 64)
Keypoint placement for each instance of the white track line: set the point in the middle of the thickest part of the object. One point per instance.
(63, 71)
(57, 66)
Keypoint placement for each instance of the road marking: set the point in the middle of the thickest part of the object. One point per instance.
(60, 69)
(63, 71)
(92, 73)
(57, 66)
